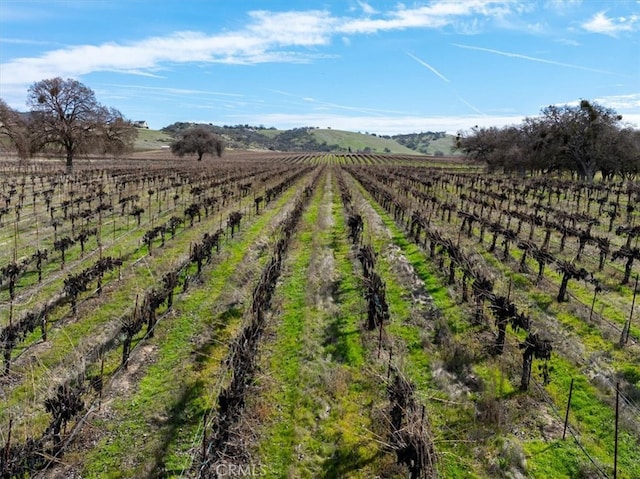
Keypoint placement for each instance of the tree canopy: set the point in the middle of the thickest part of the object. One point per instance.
(66, 113)
(197, 140)
(583, 139)
(14, 129)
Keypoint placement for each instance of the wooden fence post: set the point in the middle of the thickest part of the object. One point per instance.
(566, 416)
(615, 449)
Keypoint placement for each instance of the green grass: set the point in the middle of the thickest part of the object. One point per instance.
(321, 427)
(92, 320)
(344, 327)
(151, 139)
(360, 141)
(162, 407)
(592, 415)
(449, 420)
(594, 420)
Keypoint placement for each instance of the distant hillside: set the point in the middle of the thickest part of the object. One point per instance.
(151, 139)
(350, 141)
(316, 139)
(429, 143)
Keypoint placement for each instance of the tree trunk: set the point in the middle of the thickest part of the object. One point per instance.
(151, 321)
(527, 360)
(601, 263)
(523, 261)
(627, 270)
(540, 271)
(465, 295)
(563, 288)
(506, 249)
(502, 332)
(126, 345)
(69, 163)
(547, 236)
(493, 242)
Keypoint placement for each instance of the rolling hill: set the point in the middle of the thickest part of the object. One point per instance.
(307, 139)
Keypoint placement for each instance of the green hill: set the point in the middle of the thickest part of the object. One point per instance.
(151, 139)
(429, 143)
(351, 141)
(307, 139)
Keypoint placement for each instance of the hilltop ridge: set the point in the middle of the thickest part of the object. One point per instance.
(307, 139)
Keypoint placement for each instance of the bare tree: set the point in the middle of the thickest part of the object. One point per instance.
(14, 127)
(582, 134)
(198, 140)
(113, 134)
(66, 113)
(583, 139)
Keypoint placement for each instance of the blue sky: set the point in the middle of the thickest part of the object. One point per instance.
(369, 66)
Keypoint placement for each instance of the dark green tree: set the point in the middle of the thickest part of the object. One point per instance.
(198, 140)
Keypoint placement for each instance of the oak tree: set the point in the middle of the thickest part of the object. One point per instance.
(66, 113)
(198, 140)
(14, 131)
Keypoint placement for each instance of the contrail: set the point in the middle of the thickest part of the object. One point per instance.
(533, 59)
(423, 63)
(469, 104)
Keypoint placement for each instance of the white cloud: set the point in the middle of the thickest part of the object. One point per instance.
(568, 41)
(562, 6)
(600, 23)
(383, 125)
(308, 28)
(261, 41)
(530, 58)
(366, 8)
(169, 90)
(26, 41)
(437, 14)
(268, 37)
(620, 102)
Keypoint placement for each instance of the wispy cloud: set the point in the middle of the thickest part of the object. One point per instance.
(562, 6)
(366, 8)
(384, 125)
(436, 14)
(324, 105)
(429, 67)
(568, 41)
(620, 102)
(465, 102)
(445, 79)
(601, 23)
(625, 105)
(533, 59)
(26, 41)
(268, 36)
(169, 90)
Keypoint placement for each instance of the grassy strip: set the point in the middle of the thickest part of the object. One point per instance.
(172, 395)
(594, 419)
(321, 426)
(558, 458)
(91, 324)
(450, 420)
(594, 411)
